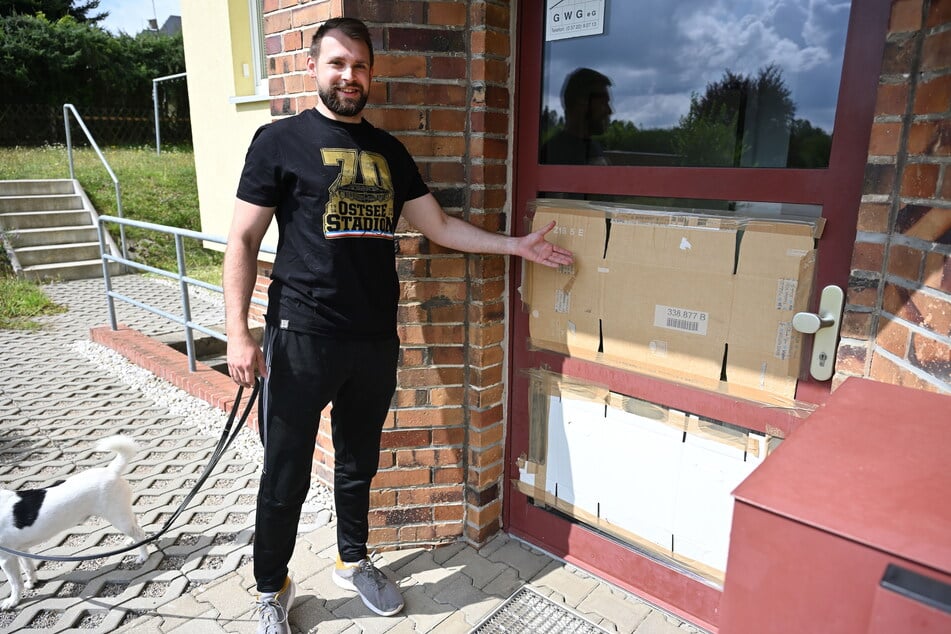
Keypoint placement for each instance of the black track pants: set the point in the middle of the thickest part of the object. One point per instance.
(305, 373)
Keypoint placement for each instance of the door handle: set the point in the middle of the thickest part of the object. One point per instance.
(825, 326)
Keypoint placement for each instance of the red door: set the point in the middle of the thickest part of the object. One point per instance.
(643, 91)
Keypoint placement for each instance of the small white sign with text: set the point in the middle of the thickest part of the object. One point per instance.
(573, 18)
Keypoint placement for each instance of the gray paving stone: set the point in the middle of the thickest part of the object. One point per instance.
(322, 587)
(183, 610)
(361, 616)
(423, 613)
(572, 586)
(504, 585)
(310, 615)
(407, 626)
(659, 623)
(528, 561)
(424, 570)
(480, 570)
(464, 597)
(448, 551)
(455, 624)
(306, 564)
(321, 538)
(228, 596)
(198, 577)
(207, 623)
(142, 625)
(336, 626)
(495, 542)
(620, 609)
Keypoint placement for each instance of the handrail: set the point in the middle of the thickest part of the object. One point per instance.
(184, 281)
(67, 108)
(155, 106)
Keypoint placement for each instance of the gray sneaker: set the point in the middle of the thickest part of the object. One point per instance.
(273, 611)
(378, 593)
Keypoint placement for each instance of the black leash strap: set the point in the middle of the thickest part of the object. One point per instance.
(227, 437)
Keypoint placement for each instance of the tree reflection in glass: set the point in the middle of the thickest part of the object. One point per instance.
(693, 83)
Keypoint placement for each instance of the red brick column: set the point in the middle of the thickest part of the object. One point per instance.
(441, 85)
(897, 323)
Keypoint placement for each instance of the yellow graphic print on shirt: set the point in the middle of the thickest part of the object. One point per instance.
(359, 209)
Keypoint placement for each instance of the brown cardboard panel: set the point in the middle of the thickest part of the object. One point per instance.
(678, 322)
(773, 282)
(667, 296)
(684, 247)
(565, 303)
(674, 294)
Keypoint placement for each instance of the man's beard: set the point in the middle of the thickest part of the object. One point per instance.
(598, 125)
(343, 107)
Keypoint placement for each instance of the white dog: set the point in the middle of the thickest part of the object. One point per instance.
(30, 517)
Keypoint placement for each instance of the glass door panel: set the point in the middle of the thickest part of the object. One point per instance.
(728, 84)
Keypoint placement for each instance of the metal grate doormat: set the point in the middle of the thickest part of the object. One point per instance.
(529, 612)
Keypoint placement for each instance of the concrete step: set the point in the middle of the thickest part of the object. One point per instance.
(52, 235)
(40, 203)
(36, 187)
(48, 228)
(44, 219)
(218, 362)
(208, 350)
(63, 271)
(54, 253)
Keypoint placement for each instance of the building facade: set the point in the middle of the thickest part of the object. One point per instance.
(469, 86)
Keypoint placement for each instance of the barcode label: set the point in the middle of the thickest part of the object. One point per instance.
(682, 324)
(562, 301)
(784, 333)
(681, 319)
(786, 293)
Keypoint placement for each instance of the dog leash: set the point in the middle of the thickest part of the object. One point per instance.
(228, 436)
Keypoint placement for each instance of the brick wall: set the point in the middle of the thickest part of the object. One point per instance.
(897, 321)
(441, 85)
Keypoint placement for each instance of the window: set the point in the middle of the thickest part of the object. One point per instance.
(246, 19)
(258, 56)
(734, 84)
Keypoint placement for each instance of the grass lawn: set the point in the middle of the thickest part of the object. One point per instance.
(157, 188)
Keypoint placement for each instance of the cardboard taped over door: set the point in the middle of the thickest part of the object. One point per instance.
(696, 298)
(569, 318)
(668, 295)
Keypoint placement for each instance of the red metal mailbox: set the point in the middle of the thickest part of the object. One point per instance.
(846, 527)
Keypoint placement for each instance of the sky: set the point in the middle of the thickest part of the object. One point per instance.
(132, 16)
(658, 52)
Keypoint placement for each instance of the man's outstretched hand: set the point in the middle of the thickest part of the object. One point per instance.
(536, 248)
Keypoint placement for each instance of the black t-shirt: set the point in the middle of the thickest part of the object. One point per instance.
(338, 189)
(566, 149)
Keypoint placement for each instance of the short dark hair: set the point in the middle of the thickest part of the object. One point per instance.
(581, 83)
(351, 27)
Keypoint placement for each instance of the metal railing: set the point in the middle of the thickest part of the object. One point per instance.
(69, 108)
(155, 105)
(184, 319)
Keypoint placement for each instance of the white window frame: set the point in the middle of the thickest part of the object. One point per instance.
(258, 55)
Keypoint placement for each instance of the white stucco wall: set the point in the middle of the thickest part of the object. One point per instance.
(224, 113)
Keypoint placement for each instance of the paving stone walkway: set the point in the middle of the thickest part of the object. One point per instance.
(56, 403)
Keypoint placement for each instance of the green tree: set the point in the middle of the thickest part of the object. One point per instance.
(55, 9)
(809, 146)
(749, 117)
(53, 62)
(707, 135)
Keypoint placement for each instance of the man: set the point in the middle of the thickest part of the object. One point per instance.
(588, 111)
(337, 187)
